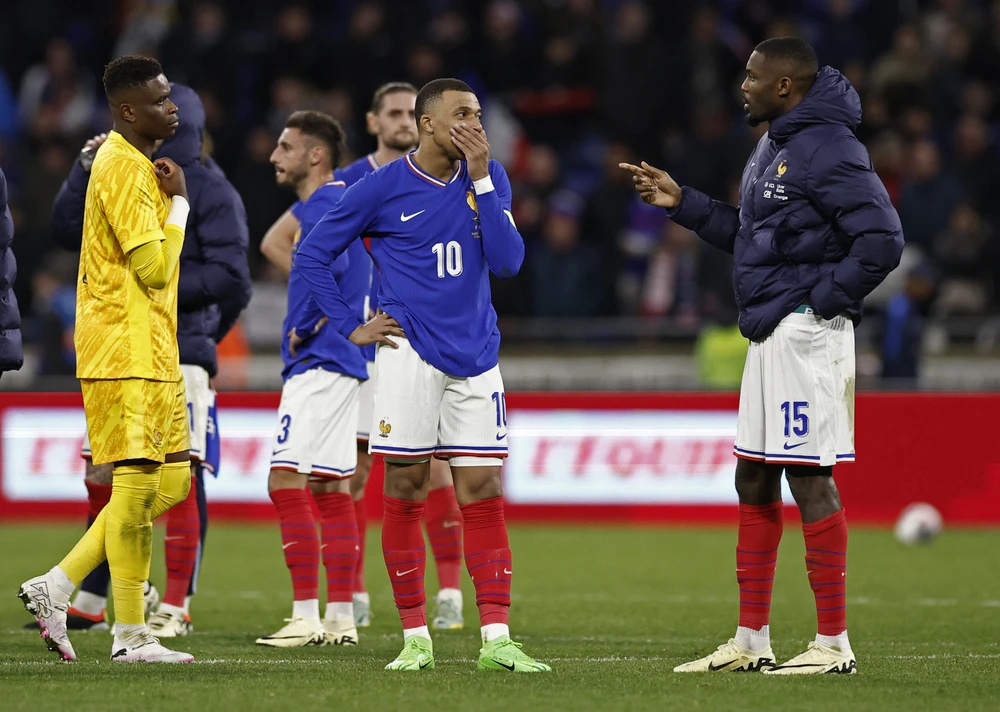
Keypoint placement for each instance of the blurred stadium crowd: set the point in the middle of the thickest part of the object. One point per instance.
(570, 88)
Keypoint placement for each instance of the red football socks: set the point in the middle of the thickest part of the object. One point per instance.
(98, 497)
(181, 545)
(444, 528)
(405, 558)
(339, 535)
(362, 519)
(826, 562)
(756, 555)
(299, 541)
(488, 558)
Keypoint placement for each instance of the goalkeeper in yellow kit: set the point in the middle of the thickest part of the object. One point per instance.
(127, 359)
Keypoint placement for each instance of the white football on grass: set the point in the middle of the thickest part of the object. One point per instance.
(920, 523)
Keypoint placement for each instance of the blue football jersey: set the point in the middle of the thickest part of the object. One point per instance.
(434, 243)
(328, 348)
(351, 174)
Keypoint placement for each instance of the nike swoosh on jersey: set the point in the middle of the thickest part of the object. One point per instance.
(403, 217)
(792, 447)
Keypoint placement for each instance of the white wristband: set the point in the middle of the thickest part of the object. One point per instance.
(179, 209)
(483, 185)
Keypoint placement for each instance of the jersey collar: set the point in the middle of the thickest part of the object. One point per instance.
(429, 178)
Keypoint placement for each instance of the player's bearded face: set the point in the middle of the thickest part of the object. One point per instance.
(289, 158)
(396, 124)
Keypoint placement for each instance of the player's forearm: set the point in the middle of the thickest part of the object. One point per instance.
(278, 241)
(502, 243)
(715, 222)
(156, 261)
(317, 273)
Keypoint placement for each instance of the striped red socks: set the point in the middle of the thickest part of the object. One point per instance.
(181, 545)
(362, 519)
(488, 558)
(756, 555)
(826, 562)
(405, 559)
(299, 541)
(444, 529)
(339, 544)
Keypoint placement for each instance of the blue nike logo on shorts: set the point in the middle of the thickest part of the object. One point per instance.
(792, 447)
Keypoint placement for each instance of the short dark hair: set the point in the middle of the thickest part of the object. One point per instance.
(794, 50)
(130, 72)
(323, 128)
(378, 99)
(432, 91)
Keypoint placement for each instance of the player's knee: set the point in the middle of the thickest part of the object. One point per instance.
(283, 479)
(407, 479)
(476, 483)
(99, 474)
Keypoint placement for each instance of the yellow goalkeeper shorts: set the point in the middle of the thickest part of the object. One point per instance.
(133, 418)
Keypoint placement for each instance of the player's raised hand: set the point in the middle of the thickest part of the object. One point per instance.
(378, 331)
(171, 178)
(89, 150)
(655, 187)
(474, 146)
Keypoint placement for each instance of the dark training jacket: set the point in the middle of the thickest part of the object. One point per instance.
(814, 224)
(11, 353)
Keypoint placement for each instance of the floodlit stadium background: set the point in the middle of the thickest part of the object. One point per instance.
(612, 297)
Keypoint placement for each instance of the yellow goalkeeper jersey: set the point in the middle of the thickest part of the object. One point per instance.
(123, 328)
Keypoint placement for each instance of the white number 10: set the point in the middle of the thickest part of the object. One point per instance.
(449, 258)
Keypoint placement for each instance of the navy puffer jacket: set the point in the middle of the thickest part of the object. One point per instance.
(814, 224)
(11, 352)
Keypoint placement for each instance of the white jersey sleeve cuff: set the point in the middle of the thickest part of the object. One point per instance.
(483, 185)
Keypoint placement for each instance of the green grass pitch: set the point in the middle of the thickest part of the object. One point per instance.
(612, 609)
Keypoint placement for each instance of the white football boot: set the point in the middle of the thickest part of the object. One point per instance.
(448, 610)
(170, 623)
(341, 631)
(818, 659)
(731, 657)
(298, 633)
(362, 610)
(145, 648)
(48, 603)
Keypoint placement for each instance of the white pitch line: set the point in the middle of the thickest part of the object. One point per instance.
(468, 661)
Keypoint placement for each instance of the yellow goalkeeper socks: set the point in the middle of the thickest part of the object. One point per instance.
(175, 483)
(88, 553)
(129, 537)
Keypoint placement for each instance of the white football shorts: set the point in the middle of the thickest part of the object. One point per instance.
(366, 399)
(200, 400)
(317, 425)
(421, 412)
(797, 393)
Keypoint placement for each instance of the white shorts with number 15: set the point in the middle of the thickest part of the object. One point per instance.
(797, 393)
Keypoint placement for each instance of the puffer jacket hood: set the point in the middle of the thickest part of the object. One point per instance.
(814, 226)
(831, 100)
(184, 147)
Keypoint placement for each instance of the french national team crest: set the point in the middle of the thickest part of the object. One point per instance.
(470, 198)
(384, 428)
(782, 167)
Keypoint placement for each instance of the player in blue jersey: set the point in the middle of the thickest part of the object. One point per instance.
(314, 442)
(439, 221)
(391, 121)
